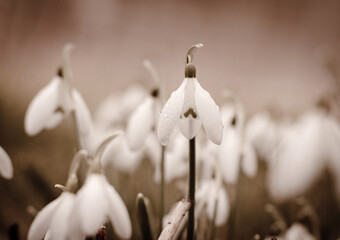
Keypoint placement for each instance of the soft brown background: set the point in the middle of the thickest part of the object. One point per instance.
(271, 53)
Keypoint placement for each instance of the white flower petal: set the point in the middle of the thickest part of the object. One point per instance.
(175, 166)
(222, 204)
(120, 155)
(249, 160)
(229, 156)
(153, 149)
(42, 107)
(84, 123)
(54, 120)
(91, 206)
(189, 126)
(264, 134)
(223, 207)
(298, 232)
(6, 167)
(170, 114)
(115, 110)
(209, 114)
(140, 124)
(300, 159)
(175, 158)
(60, 221)
(332, 142)
(41, 222)
(118, 213)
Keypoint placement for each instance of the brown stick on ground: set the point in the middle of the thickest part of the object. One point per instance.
(175, 219)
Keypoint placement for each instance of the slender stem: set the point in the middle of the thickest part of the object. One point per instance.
(218, 182)
(69, 78)
(75, 131)
(161, 211)
(232, 218)
(192, 183)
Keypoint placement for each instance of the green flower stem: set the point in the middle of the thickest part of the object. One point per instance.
(192, 185)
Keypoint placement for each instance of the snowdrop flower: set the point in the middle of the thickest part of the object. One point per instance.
(53, 220)
(143, 119)
(176, 160)
(48, 107)
(190, 106)
(310, 143)
(298, 232)
(120, 156)
(6, 167)
(265, 134)
(58, 100)
(96, 201)
(235, 151)
(301, 156)
(208, 194)
(113, 113)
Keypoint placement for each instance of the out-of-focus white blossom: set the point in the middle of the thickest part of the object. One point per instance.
(265, 134)
(120, 156)
(206, 197)
(48, 107)
(96, 202)
(296, 231)
(6, 167)
(113, 113)
(175, 160)
(235, 151)
(53, 218)
(299, 151)
(142, 120)
(140, 124)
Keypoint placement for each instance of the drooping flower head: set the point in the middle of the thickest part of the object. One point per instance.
(57, 101)
(53, 220)
(98, 201)
(190, 106)
(142, 120)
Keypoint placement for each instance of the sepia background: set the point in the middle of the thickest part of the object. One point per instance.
(281, 56)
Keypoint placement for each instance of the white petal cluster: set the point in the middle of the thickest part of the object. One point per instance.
(48, 107)
(207, 195)
(190, 106)
(54, 219)
(96, 202)
(119, 155)
(114, 111)
(296, 232)
(140, 124)
(75, 216)
(298, 152)
(235, 152)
